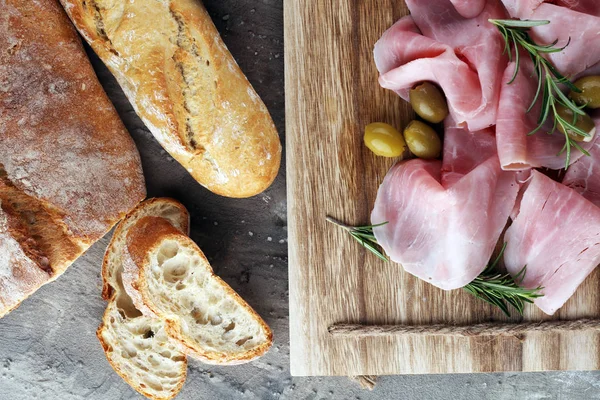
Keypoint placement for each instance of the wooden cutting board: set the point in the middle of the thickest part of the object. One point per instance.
(331, 94)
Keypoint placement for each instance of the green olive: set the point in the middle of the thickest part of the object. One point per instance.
(384, 140)
(584, 122)
(590, 91)
(422, 140)
(428, 102)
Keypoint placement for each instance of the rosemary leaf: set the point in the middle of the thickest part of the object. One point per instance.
(515, 23)
(500, 289)
(516, 37)
(364, 235)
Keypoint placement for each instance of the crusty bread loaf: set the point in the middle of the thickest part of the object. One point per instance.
(137, 346)
(184, 84)
(173, 278)
(68, 168)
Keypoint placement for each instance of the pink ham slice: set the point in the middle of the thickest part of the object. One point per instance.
(516, 149)
(444, 220)
(559, 252)
(527, 7)
(578, 20)
(463, 151)
(584, 175)
(463, 56)
(469, 8)
(404, 58)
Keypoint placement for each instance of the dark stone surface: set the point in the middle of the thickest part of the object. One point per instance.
(48, 347)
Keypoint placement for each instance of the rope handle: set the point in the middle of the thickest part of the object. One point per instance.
(485, 329)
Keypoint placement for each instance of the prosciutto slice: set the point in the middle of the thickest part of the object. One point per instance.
(463, 56)
(445, 218)
(546, 237)
(577, 20)
(517, 149)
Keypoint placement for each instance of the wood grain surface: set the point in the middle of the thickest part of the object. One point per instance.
(331, 94)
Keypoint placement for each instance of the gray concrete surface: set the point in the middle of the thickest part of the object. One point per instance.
(48, 347)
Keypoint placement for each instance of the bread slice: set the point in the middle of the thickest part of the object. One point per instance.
(170, 209)
(172, 277)
(69, 170)
(187, 88)
(137, 346)
(141, 352)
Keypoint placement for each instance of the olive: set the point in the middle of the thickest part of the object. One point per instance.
(384, 140)
(590, 91)
(428, 102)
(422, 140)
(584, 122)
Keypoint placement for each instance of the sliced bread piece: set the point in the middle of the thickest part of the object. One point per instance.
(140, 351)
(171, 210)
(137, 346)
(173, 278)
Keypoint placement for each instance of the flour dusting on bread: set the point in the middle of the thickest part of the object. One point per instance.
(18, 273)
(68, 168)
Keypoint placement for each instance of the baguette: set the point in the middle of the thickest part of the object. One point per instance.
(68, 167)
(184, 84)
(170, 275)
(138, 347)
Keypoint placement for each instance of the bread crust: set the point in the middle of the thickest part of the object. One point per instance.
(143, 238)
(184, 84)
(68, 168)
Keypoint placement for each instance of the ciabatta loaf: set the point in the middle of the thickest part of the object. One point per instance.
(68, 168)
(173, 279)
(184, 84)
(137, 346)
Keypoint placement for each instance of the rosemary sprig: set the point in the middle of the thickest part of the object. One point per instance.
(491, 286)
(364, 235)
(515, 34)
(501, 289)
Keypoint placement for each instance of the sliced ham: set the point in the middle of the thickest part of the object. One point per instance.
(516, 149)
(463, 151)
(527, 7)
(469, 8)
(404, 58)
(463, 56)
(445, 219)
(521, 7)
(556, 234)
(584, 175)
(577, 20)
